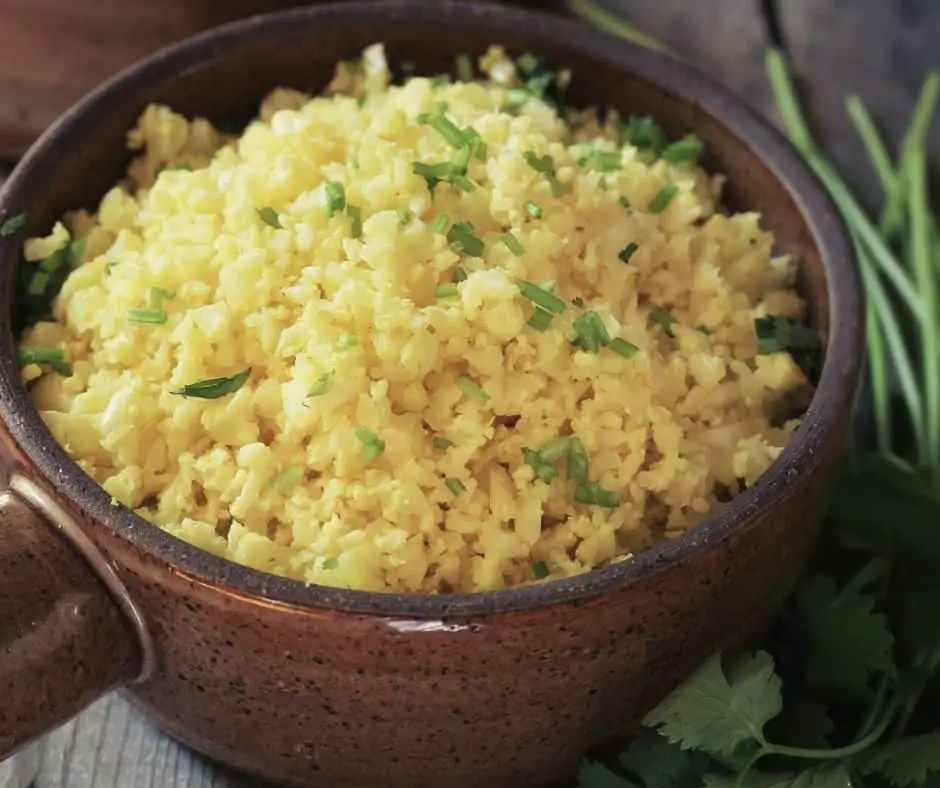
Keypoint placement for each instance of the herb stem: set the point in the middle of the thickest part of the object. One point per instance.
(590, 11)
(876, 707)
(874, 145)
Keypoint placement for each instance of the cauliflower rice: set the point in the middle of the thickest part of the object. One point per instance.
(403, 426)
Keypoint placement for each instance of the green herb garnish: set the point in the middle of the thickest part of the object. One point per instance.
(663, 197)
(446, 291)
(464, 68)
(643, 133)
(53, 357)
(533, 209)
(540, 570)
(623, 348)
(270, 217)
(12, 225)
(590, 332)
(544, 470)
(603, 161)
(459, 275)
(546, 166)
(330, 563)
(355, 220)
(372, 444)
(627, 252)
(39, 283)
(540, 319)
(442, 443)
(555, 449)
(592, 494)
(664, 319)
(440, 223)
(472, 390)
(455, 486)
(623, 202)
(76, 252)
(433, 174)
(577, 461)
(334, 195)
(213, 388)
(321, 385)
(347, 340)
(542, 298)
(404, 216)
(578, 301)
(778, 334)
(462, 238)
(288, 478)
(683, 152)
(154, 316)
(513, 244)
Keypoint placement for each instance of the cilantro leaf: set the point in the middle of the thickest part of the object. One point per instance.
(658, 764)
(754, 779)
(716, 711)
(847, 641)
(594, 774)
(920, 627)
(906, 762)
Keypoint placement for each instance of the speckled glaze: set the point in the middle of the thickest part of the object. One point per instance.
(322, 687)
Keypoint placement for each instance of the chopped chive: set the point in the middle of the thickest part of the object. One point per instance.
(12, 225)
(704, 329)
(540, 570)
(76, 251)
(330, 563)
(334, 197)
(433, 174)
(533, 209)
(56, 260)
(540, 319)
(516, 98)
(539, 297)
(623, 348)
(288, 478)
(352, 161)
(578, 301)
(40, 355)
(513, 244)
(627, 252)
(778, 334)
(439, 80)
(372, 444)
(623, 201)
(684, 151)
(546, 165)
(446, 291)
(472, 390)
(403, 216)
(158, 295)
(576, 467)
(602, 160)
(544, 470)
(462, 238)
(464, 66)
(154, 316)
(440, 223)
(347, 340)
(109, 266)
(463, 183)
(643, 133)
(269, 217)
(442, 443)
(355, 220)
(555, 449)
(594, 495)
(664, 319)
(590, 332)
(663, 197)
(213, 388)
(449, 130)
(459, 274)
(38, 283)
(528, 62)
(455, 486)
(321, 385)
(181, 167)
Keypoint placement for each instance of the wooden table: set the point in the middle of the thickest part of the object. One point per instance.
(880, 50)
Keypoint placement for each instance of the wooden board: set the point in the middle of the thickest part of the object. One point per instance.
(878, 49)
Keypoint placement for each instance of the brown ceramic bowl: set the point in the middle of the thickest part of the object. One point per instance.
(324, 687)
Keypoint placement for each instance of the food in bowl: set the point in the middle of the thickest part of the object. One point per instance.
(436, 336)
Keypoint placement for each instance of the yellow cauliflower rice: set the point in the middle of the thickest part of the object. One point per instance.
(426, 337)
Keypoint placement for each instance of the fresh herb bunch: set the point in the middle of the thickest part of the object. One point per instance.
(844, 691)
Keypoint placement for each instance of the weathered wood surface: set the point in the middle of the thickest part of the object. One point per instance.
(880, 50)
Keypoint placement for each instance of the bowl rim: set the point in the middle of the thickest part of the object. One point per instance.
(824, 420)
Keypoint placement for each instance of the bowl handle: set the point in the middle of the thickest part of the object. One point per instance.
(64, 639)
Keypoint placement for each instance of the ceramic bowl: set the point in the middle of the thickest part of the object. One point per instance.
(317, 686)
